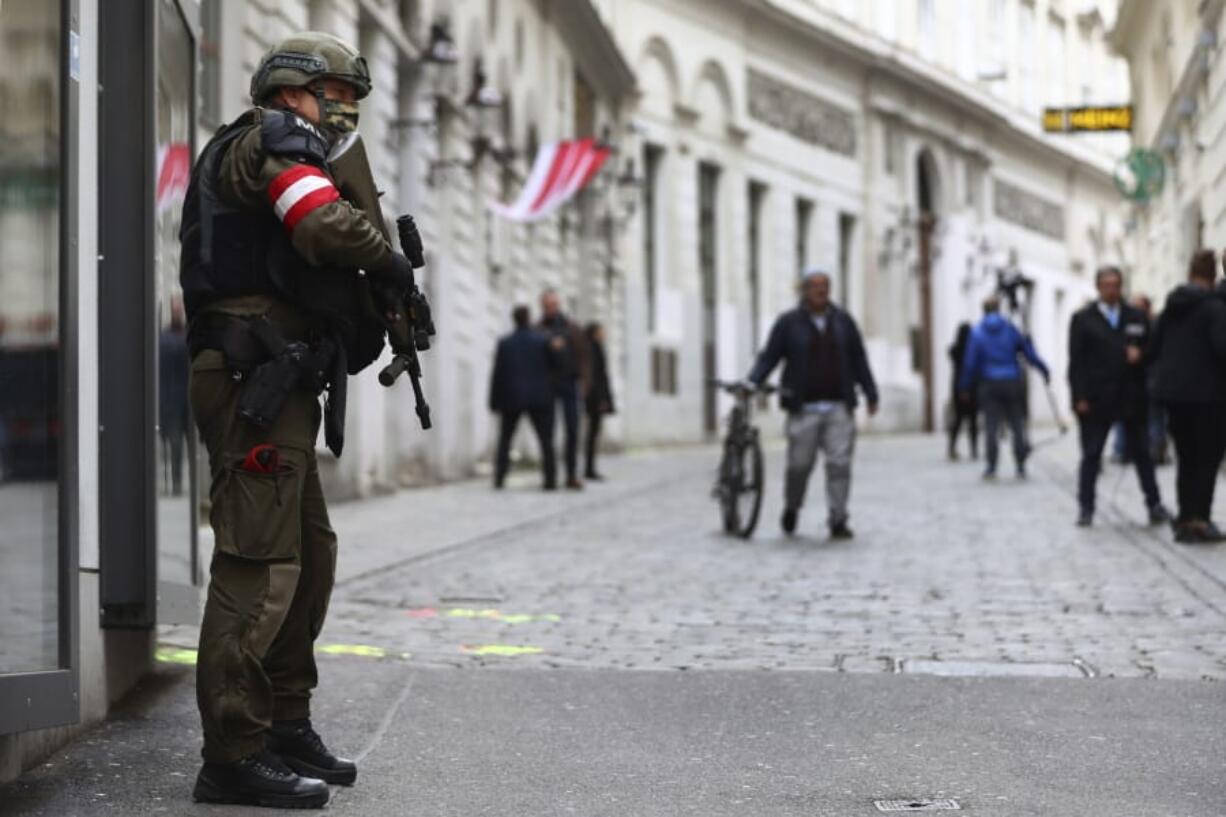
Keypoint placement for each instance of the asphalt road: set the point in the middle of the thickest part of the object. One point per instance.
(610, 654)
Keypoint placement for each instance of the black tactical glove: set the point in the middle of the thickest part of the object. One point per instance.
(398, 274)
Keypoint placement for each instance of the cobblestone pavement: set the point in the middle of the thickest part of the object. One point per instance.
(947, 574)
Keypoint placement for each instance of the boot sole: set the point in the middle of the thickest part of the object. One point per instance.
(330, 776)
(206, 792)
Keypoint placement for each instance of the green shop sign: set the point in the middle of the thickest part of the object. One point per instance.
(1141, 175)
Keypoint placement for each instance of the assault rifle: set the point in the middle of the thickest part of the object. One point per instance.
(410, 325)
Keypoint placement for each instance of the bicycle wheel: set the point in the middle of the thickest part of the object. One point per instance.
(748, 498)
(729, 486)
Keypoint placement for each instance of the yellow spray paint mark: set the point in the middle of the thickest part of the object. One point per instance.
(176, 655)
(498, 615)
(504, 650)
(360, 650)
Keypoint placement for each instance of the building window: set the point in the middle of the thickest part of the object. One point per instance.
(1028, 59)
(998, 47)
(890, 147)
(664, 371)
(885, 19)
(968, 39)
(652, 157)
(1057, 70)
(757, 198)
(847, 238)
(804, 224)
(927, 29)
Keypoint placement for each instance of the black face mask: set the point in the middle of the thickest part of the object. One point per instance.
(335, 116)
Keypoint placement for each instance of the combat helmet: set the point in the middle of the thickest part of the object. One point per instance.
(303, 58)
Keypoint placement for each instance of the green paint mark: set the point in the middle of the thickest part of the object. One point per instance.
(175, 655)
(504, 650)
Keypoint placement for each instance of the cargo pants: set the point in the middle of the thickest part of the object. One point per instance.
(272, 571)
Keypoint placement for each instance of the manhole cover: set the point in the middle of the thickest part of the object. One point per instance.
(991, 669)
(918, 804)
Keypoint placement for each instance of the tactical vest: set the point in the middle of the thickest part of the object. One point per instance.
(228, 252)
(225, 252)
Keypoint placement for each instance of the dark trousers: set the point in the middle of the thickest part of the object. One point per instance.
(1004, 400)
(1095, 429)
(542, 424)
(274, 561)
(964, 412)
(595, 419)
(567, 395)
(1200, 441)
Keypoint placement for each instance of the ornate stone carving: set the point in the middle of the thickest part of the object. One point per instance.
(807, 117)
(1028, 210)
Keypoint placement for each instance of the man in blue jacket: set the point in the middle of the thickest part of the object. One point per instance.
(824, 362)
(522, 383)
(992, 365)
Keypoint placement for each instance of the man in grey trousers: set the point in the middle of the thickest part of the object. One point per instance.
(824, 362)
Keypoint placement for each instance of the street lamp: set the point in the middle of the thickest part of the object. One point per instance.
(485, 104)
(441, 61)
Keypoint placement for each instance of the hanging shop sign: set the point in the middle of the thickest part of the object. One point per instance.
(1096, 119)
(1141, 175)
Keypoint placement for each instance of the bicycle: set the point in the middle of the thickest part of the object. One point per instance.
(740, 480)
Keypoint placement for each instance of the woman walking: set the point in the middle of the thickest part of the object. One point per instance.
(963, 411)
(599, 397)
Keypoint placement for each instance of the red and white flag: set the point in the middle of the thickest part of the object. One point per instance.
(560, 171)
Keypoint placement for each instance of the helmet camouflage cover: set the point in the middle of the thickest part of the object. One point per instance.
(303, 58)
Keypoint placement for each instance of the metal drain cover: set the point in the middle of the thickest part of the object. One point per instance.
(917, 804)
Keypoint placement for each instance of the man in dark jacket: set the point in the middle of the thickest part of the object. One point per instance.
(824, 362)
(992, 363)
(1106, 373)
(599, 398)
(1189, 353)
(522, 384)
(572, 376)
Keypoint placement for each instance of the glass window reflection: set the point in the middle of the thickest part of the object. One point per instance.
(29, 334)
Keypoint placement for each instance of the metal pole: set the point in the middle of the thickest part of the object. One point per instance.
(926, 225)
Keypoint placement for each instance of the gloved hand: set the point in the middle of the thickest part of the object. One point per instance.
(398, 274)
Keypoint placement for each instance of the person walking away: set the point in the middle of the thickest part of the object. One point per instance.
(992, 362)
(599, 398)
(963, 411)
(1189, 354)
(824, 363)
(521, 384)
(1107, 378)
(572, 376)
(271, 261)
(173, 417)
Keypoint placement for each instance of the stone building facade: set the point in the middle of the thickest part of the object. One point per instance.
(782, 133)
(1174, 54)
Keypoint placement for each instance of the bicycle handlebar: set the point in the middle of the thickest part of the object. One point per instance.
(736, 386)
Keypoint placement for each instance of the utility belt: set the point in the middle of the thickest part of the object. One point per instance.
(273, 355)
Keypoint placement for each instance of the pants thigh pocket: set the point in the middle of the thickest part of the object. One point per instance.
(259, 516)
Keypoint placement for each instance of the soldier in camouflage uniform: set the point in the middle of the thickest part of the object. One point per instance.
(264, 213)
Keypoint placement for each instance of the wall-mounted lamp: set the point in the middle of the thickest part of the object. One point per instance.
(441, 61)
(485, 106)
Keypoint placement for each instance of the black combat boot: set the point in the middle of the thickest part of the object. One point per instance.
(300, 746)
(259, 780)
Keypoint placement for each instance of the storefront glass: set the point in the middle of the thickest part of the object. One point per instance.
(29, 334)
(175, 55)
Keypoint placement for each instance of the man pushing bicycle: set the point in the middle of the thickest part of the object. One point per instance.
(824, 362)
